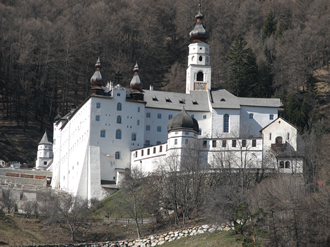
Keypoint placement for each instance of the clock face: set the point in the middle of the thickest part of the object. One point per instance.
(200, 86)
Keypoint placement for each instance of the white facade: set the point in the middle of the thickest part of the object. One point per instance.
(45, 153)
(117, 128)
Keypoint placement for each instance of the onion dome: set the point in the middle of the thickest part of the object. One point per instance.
(199, 33)
(136, 82)
(183, 121)
(97, 78)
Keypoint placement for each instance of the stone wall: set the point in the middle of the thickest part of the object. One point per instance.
(158, 239)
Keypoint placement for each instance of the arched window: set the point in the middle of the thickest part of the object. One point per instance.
(200, 76)
(118, 134)
(278, 140)
(117, 155)
(226, 123)
(118, 119)
(119, 107)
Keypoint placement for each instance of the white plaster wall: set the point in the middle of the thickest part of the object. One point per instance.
(148, 162)
(217, 123)
(280, 128)
(261, 118)
(153, 135)
(70, 150)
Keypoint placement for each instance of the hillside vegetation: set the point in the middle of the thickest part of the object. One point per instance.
(258, 48)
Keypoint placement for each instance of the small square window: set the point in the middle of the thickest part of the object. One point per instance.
(97, 118)
(192, 115)
(148, 127)
(271, 117)
(159, 129)
(118, 94)
(98, 105)
(148, 115)
(170, 116)
(204, 116)
(159, 115)
(251, 116)
(158, 142)
(147, 143)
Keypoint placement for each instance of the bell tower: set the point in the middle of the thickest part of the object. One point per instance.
(198, 76)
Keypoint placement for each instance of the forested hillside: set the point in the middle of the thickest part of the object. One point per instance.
(48, 49)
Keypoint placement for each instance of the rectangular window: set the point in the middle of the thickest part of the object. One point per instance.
(160, 149)
(214, 143)
(243, 143)
(148, 114)
(147, 143)
(175, 141)
(98, 105)
(170, 116)
(97, 118)
(271, 116)
(133, 137)
(233, 143)
(224, 143)
(192, 115)
(288, 136)
(154, 150)
(159, 116)
(204, 116)
(270, 136)
(138, 109)
(102, 133)
(254, 143)
(251, 116)
(118, 94)
(158, 142)
(148, 151)
(204, 144)
(159, 129)
(148, 127)
(141, 152)
(138, 122)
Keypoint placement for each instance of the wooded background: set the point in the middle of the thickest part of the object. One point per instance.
(48, 49)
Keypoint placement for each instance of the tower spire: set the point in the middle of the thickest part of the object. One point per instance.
(199, 33)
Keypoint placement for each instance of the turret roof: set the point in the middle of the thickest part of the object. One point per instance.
(44, 139)
(183, 121)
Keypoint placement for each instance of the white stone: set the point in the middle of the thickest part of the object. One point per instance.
(205, 226)
(211, 230)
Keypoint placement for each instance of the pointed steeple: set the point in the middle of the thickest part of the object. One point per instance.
(44, 139)
(199, 33)
(136, 82)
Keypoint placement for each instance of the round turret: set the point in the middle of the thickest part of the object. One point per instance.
(183, 121)
(199, 33)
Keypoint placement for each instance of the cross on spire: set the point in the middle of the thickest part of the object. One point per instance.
(118, 77)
